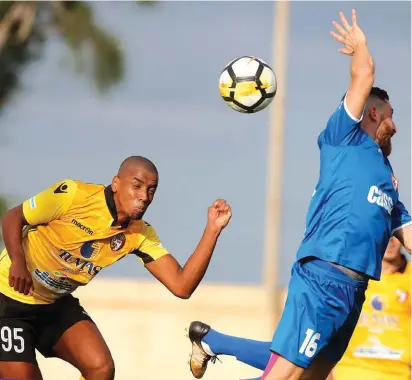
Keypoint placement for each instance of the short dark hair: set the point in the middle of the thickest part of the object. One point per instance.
(377, 93)
(139, 160)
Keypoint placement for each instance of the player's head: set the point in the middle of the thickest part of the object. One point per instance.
(377, 119)
(393, 252)
(134, 187)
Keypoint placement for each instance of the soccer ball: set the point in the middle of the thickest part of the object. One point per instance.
(247, 84)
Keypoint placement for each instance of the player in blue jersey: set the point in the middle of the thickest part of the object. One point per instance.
(353, 213)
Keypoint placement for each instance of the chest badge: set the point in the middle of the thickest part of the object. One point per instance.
(117, 242)
(90, 249)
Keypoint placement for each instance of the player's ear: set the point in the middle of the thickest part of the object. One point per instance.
(373, 113)
(115, 184)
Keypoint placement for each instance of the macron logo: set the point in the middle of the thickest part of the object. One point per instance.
(378, 197)
(82, 227)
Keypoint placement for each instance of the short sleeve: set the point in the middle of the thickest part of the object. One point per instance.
(151, 247)
(342, 128)
(400, 217)
(50, 204)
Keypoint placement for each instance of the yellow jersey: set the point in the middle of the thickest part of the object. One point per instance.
(71, 237)
(380, 348)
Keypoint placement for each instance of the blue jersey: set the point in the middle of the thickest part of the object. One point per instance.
(355, 207)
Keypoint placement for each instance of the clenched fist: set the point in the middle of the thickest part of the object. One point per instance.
(219, 214)
(19, 277)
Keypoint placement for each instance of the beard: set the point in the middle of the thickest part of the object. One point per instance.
(386, 146)
(384, 140)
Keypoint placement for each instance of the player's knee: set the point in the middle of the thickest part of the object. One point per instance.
(103, 366)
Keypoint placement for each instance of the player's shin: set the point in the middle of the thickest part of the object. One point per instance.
(251, 352)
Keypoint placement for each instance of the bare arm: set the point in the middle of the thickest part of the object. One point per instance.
(362, 68)
(46, 206)
(404, 235)
(362, 79)
(182, 282)
(12, 227)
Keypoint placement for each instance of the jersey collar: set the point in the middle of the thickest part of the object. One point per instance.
(111, 205)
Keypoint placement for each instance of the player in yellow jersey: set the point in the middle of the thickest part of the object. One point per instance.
(71, 231)
(380, 348)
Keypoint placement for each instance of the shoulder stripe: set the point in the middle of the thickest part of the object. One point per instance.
(144, 256)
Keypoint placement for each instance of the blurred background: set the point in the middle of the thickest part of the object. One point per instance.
(83, 85)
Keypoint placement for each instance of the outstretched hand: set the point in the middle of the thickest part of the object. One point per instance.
(349, 36)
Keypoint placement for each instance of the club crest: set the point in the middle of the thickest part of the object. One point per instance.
(117, 242)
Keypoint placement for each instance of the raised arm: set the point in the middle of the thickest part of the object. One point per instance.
(362, 69)
(348, 116)
(182, 282)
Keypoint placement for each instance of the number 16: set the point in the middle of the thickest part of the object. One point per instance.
(309, 345)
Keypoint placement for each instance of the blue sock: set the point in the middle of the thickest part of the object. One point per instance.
(251, 352)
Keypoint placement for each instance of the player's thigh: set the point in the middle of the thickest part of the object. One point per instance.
(328, 357)
(335, 349)
(17, 340)
(282, 369)
(285, 370)
(315, 308)
(83, 346)
(69, 333)
(319, 370)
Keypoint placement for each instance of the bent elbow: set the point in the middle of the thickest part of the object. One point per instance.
(184, 296)
(182, 293)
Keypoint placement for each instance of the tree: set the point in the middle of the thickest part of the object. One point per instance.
(25, 26)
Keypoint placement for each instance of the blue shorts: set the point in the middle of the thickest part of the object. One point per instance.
(320, 314)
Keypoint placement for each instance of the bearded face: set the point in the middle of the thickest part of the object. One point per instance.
(381, 114)
(384, 133)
